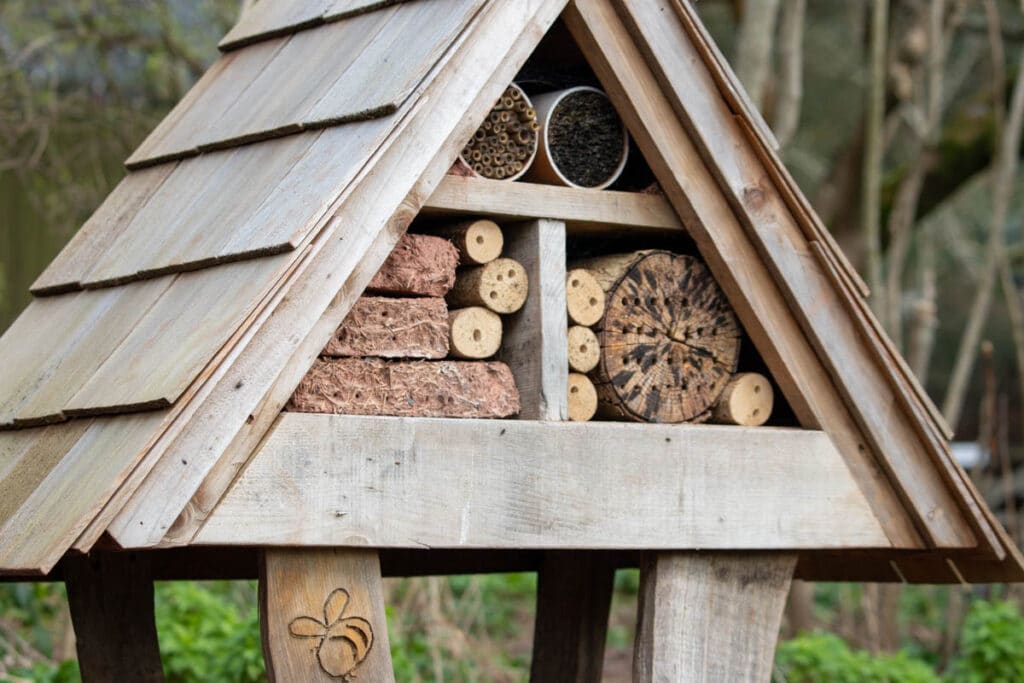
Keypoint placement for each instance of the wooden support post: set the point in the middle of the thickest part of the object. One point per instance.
(536, 344)
(111, 601)
(573, 599)
(710, 616)
(322, 616)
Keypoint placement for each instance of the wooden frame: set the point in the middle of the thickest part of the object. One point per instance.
(419, 482)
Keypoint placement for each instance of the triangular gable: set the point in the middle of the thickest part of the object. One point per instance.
(797, 297)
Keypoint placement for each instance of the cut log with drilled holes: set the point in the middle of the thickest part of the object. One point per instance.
(370, 386)
(419, 265)
(584, 349)
(584, 298)
(746, 400)
(478, 242)
(582, 398)
(501, 285)
(393, 328)
(669, 339)
(475, 333)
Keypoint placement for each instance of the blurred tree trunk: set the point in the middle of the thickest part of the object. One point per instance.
(791, 70)
(871, 185)
(754, 43)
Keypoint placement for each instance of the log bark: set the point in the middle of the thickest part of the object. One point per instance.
(746, 400)
(669, 339)
(584, 349)
(393, 328)
(584, 298)
(370, 386)
(419, 265)
(582, 398)
(501, 285)
(475, 333)
(478, 242)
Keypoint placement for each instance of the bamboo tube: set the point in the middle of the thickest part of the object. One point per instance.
(746, 400)
(584, 297)
(584, 349)
(582, 398)
(500, 285)
(478, 242)
(474, 333)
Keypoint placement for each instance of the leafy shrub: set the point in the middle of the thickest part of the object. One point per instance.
(991, 645)
(820, 657)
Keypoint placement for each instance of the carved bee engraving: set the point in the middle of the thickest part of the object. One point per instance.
(342, 642)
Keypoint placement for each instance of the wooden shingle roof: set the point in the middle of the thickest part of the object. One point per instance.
(167, 336)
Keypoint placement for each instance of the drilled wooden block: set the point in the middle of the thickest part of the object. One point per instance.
(393, 328)
(420, 265)
(370, 386)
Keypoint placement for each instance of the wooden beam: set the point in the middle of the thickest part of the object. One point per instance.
(322, 616)
(581, 210)
(574, 595)
(710, 616)
(535, 343)
(448, 483)
(111, 601)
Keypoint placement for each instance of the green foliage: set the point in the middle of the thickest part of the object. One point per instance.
(991, 645)
(825, 657)
(209, 632)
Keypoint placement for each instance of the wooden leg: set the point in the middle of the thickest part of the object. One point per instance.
(573, 599)
(111, 601)
(322, 616)
(710, 616)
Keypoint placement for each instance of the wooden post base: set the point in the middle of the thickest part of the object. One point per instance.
(710, 616)
(111, 601)
(322, 616)
(573, 598)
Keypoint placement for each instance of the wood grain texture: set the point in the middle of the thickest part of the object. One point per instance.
(535, 339)
(111, 600)
(526, 484)
(360, 67)
(419, 265)
(369, 386)
(735, 262)
(710, 617)
(393, 328)
(574, 595)
(581, 210)
(238, 404)
(322, 616)
(920, 470)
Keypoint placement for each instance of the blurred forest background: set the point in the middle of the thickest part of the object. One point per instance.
(901, 119)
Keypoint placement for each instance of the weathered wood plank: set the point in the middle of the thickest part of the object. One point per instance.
(414, 388)
(734, 261)
(581, 210)
(484, 483)
(228, 420)
(111, 601)
(393, 328)
(710, 616)
(322, 616)
(419, 265)
(574, 595)
(863, 377)
(535, 340)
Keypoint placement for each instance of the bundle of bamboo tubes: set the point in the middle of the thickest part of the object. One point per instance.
(504, 146)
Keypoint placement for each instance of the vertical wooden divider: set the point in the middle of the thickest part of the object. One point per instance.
(710, 616)
(322, 616)
(111, 601)
(535, 343)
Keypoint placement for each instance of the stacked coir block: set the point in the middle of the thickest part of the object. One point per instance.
(669, 342)
(404, 350)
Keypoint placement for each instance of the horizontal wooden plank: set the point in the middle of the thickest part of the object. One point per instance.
(408, 482)
(363, 66)
(580, 209)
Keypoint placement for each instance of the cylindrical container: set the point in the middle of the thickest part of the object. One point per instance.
(504, 146)
(583, 142)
